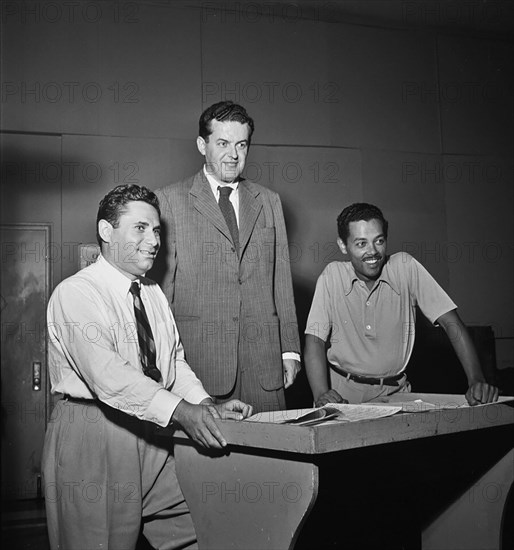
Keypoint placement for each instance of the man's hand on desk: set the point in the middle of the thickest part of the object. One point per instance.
(231, 410)
(330, 396)
(481, 392)
(198, 420)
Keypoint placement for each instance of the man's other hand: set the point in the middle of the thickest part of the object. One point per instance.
(199, 424)
(291, 368)
(330, 396)
(481, 392)
(233, 410)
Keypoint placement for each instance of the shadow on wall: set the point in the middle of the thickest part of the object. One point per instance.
(434, 366)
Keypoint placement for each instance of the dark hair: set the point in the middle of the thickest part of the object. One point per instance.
(356, 212)
(224, 111)
(113, 205)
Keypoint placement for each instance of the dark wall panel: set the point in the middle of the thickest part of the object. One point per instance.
(154, 66)
(31, 176)
(97, 164)
(413, 204)
(476, 91)
(117, 68)
(480, 248)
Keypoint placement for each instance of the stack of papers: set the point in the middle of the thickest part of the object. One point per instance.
(337, 412)
(331, 412)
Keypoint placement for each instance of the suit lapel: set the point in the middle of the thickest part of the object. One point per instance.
(206, 204)
(249, 207)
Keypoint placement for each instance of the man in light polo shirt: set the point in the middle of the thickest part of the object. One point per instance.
(367, 308)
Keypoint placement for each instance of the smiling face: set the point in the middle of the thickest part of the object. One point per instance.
(225, 150)
(366, 246)
(132, 245)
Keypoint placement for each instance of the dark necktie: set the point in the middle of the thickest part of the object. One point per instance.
(145, 337)
(229, 214)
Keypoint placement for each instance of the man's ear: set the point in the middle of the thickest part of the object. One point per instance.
(105, 230)
(341, 245)
(200, 143)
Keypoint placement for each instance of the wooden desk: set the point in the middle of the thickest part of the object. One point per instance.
(260, 492)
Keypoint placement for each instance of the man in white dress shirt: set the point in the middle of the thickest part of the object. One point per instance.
(107, 476)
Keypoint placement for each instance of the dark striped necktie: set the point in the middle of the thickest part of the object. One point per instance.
(229, 214)
(144, 335)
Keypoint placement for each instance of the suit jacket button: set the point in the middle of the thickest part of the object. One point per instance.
(235, 319)
(233, 249)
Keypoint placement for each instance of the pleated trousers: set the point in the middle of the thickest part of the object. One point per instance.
(106, 478)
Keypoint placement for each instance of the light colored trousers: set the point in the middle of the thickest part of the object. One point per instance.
(106, 476)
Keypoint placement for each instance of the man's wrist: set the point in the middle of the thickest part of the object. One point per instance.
(291, 355)
(171, 421)
(476, 380)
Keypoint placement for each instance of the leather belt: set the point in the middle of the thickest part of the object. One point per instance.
(372, 381)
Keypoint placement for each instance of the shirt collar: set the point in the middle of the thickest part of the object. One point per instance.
(386, 276)
(114, 278)
(215, 184)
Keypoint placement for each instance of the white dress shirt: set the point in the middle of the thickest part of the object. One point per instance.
(94, 350)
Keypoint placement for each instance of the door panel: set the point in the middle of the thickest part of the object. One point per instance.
(25, 283)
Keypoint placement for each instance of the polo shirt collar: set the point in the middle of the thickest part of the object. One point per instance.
(385, 276)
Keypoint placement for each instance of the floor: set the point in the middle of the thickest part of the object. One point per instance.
(24, 525)
(24, 528)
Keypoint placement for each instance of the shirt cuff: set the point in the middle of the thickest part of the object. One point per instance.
(291, 355)
(164, 403)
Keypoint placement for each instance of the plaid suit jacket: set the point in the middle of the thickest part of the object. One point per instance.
(224, 304)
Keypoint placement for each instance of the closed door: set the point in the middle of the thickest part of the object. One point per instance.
(25, 285)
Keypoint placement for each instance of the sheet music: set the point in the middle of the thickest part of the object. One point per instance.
(420, 405)
(345, 413)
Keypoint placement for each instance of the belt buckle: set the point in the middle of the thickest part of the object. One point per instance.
(381, 383)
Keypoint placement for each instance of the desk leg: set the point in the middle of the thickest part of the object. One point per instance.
(473, 521)
(245, 501)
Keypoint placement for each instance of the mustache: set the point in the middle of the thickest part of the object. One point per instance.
(375, 257)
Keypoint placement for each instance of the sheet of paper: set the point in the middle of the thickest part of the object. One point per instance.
(420, 405)
(278, 417)
(354, 413)
(346, 413)
(365, 411)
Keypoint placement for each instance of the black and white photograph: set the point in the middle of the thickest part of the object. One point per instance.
(257, 274)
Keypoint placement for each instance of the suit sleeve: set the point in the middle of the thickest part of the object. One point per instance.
(284, 298)
(165, 266)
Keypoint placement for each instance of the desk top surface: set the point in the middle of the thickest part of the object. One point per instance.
(449, 416)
